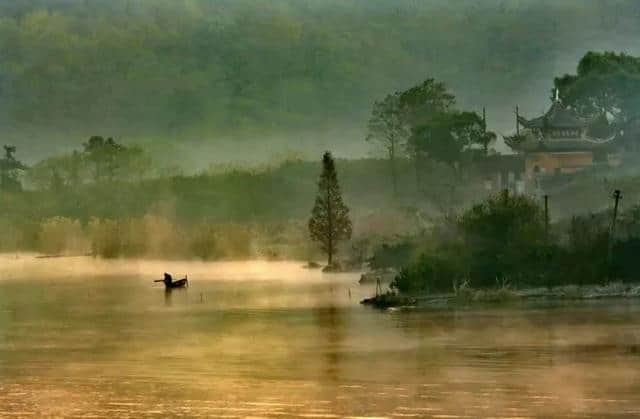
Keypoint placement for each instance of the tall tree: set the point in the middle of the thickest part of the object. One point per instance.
(105, 156)
(438, 130)
(388, 127)
(329, 222)
(446, 135)
(605, 84)
(424, 105)
(420, 103)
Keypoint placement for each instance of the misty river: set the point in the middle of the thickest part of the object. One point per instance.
(89, 338)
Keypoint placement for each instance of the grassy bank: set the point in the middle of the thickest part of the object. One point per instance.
(503, 247)
(470, 297)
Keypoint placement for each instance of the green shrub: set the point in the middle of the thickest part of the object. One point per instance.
(585, 259)
(503, 237)
(429, 274)
(392, 255)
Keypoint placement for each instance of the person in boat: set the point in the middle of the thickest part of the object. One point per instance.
(168, 279)
(170, 283)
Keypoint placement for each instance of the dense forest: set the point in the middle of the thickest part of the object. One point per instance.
(204, 81)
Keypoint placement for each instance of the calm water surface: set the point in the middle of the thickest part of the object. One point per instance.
(85, 338)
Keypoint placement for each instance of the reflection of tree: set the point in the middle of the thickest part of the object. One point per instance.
(330, 322)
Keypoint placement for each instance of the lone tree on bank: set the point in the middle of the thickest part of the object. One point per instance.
(329, 222)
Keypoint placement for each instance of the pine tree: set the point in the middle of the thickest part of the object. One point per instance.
(329, 222)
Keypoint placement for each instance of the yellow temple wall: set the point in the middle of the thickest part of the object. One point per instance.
(549, 163)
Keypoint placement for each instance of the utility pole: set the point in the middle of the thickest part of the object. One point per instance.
(517, 121)
(546, 218)
(485, 140)
(484, 119)
(617, 195)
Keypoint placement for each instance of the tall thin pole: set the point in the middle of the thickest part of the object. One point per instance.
(517, 121)
(546, 218)
(484, 119)
(485, 140)
(617, 195)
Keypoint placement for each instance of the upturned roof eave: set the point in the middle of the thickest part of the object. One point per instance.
(559, 145)
(558, 116)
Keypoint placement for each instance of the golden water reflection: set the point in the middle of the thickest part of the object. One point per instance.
(85, 338)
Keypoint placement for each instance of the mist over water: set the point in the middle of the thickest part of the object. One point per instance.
(87, 338)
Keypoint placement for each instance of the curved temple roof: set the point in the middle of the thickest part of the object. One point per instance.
(529, 142)
(558, 116)
(559, 129)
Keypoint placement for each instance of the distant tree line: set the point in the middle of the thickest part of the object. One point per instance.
(101, 160)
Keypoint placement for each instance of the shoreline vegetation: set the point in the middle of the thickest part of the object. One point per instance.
(497, 296)
(505, 249)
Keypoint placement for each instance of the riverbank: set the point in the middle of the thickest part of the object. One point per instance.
(467, 296)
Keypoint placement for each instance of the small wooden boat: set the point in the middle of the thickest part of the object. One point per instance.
(169, 283)
(180, 283)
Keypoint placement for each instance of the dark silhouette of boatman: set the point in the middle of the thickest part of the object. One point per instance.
(168, 280)
(170, 283)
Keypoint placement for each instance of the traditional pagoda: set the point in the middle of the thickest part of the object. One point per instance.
(557, 142)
